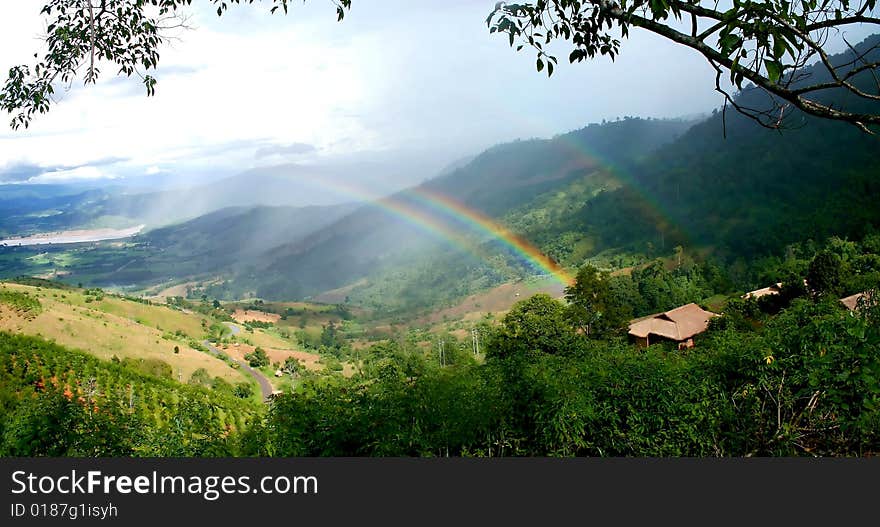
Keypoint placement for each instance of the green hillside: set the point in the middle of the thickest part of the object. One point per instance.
(789, 375)
(59, 402)
(392, 253)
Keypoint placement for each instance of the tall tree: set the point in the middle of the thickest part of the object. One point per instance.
(535, 325)
(824, 276)
(592, 306)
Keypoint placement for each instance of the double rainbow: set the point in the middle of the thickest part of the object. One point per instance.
(429, 211)
(432, 211)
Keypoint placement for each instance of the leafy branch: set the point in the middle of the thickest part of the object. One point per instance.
(768, 43)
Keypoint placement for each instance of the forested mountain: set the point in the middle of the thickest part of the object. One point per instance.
(26, 208)
(751, 190)
(225, 241)
(381, 237)
(511, 174)
(286, 185)
(33, 208)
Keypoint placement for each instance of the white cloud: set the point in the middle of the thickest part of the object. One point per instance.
(393, 76)
(83, 173)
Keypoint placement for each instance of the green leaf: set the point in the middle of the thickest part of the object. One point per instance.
(540, 64)
(774, 69)
(779, 47)
(729, 42)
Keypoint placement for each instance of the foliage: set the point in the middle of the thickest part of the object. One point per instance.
(766, 43)
(815, 393)
(20, 302)
(154, 367)
(824, 275)
(58, 402)
(795, 376)
(257, 358)
(592, 305)
(200, 377)
(537, 325)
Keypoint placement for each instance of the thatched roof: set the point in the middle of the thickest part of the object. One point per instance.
(678, 324)
(770, 290)
(852, 302)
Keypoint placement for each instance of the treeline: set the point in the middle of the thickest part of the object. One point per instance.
(805, 383)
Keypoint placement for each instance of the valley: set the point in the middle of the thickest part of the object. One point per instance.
(581, 294)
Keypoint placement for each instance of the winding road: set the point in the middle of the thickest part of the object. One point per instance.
(265, 385)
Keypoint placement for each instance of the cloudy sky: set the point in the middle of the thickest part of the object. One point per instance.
(401, 86)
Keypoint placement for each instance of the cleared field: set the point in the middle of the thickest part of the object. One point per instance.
(175, 290)
(158, 317)
(245, 315)
(93, 327)
(309, 360)
(496, 300)
(265, 339)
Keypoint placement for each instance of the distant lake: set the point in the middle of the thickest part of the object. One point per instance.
(78, 236)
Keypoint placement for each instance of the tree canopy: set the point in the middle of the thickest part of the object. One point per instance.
(767, 43)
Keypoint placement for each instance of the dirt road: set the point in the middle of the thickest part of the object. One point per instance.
(265, 385)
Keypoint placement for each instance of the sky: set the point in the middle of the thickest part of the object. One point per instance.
(386, 98)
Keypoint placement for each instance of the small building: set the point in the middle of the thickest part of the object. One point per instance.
(852, 302)
(678, 325)
(774, 289)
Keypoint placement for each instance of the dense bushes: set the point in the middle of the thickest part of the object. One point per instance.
(805, 384)
(58, 402)
(22, 303)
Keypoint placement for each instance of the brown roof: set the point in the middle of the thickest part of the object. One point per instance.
(852, 302)
(770, 290)
(678, 324)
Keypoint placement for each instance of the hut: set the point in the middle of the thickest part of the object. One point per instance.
(852, 302)
(774, 289)
(678, 325)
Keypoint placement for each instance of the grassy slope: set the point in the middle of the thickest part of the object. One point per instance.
(496, 301)
(114, 326)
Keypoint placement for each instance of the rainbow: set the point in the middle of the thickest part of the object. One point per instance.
(443, 207)
(399, 206)
(482, 223)
(659, 210)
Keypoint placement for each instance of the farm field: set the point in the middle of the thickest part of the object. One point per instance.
(114, 327)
